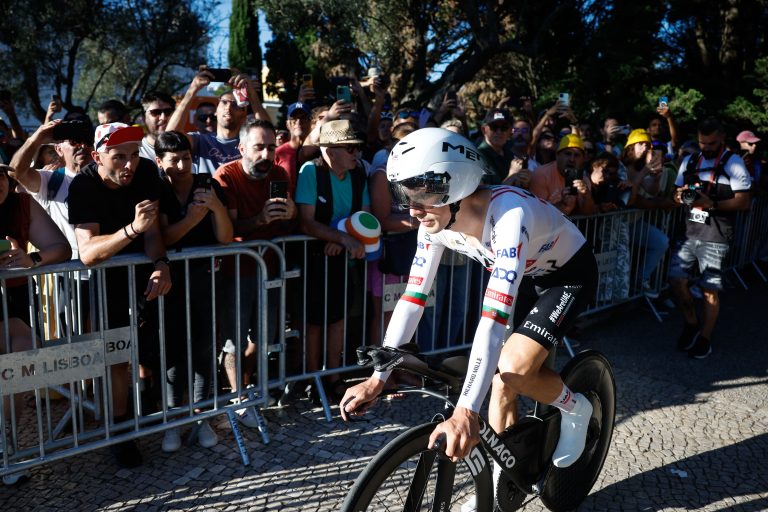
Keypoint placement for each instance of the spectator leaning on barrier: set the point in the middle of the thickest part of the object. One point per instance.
(645, 171)
(713, 185)
(330, 188)
(211, 150)
(113, 204)
(563, 182)
(193, 212)
(158, 108)
(257, 214)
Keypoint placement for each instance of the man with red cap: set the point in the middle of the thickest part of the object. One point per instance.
(113, 205)
(748, 142)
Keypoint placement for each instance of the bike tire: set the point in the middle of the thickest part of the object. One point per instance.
(401, 477)
(591, 374)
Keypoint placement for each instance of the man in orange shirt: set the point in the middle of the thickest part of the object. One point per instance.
(562, 182)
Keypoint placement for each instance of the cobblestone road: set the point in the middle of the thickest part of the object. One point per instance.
(690, 435)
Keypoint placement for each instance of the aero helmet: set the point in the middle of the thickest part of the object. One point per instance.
(434, 167)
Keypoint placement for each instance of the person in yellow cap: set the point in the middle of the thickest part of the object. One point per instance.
(645, 171)
(562, 182)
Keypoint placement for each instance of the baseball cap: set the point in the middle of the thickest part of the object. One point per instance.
(570, 141)
(638, 135)
(113, 134)
(747, 136)
(497, 115)
(298, 106)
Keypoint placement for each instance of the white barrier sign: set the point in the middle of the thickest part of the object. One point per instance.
(85, 358)
(392, 293)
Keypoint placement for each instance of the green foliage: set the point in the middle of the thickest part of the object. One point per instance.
(244, 48)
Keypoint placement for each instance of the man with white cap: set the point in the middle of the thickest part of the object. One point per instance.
(113, 205)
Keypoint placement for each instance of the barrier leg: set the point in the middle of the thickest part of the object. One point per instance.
(759, 272)
(262, 424)
(323, 398)
(743, 284)
(238, 437)
(653, 309)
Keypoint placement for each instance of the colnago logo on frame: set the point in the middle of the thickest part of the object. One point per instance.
(496, 445)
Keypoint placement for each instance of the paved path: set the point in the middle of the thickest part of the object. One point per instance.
(690, 435)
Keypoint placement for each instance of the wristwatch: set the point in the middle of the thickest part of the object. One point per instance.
(37, 260)
(163, 259)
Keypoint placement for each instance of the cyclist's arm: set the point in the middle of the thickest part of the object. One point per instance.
(498, 306)
(410, 307)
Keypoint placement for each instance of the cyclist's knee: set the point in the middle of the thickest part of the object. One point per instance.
(502, 390)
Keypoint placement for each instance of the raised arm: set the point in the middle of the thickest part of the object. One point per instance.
(22, 159)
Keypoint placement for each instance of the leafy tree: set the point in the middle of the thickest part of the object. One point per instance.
(244, 47)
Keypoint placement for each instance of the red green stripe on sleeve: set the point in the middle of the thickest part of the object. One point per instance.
(417, 298)
(495, 315)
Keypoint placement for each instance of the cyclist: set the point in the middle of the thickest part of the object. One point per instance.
(437, 174)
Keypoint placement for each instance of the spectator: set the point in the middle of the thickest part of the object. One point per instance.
(609, 191)
(613, 133)
(329, 189)
(646, 173)
(113, 204)
(497, 129)
(256, 216)
(205, 117)
(562, 182)
(112, 111)
(663, 130)
(546, 148)
(722, 188)
(281, 137)
(192, 213)
(748, 144)
(210, 150)
(158, 108)
(287, 155)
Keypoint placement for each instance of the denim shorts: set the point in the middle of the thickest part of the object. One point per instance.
(709, 255)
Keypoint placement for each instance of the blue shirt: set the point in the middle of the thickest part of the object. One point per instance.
(306, 191)
(212, 152)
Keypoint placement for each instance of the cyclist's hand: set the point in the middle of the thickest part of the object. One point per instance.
(461, 432)
(360, 396)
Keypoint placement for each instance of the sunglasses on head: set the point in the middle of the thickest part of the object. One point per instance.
(406, 115)
(157, 112)
(498, 127)
(204, 118)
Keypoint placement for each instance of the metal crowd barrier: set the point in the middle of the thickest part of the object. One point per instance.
(70, 367)
(76, 348)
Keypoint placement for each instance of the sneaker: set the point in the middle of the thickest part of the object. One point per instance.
(171, 440)
(573, 433)
(247, 416)
(701, 348)
(688, 337)
(127, 454)
(649, 290)
(16, 478)
(291, 394)
(206, 437)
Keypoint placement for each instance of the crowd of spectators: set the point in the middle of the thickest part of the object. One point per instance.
(88, 193)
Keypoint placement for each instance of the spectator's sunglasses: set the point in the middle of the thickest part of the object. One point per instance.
(348, 148)
(157, 112)
(204, 118)
(498, 127)
(407, 114)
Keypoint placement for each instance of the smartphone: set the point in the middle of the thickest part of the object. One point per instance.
(625, 129)
(451, 95)
(220, 74)
(75, 130)
(56, 99)
(343, 93)
(278, 189)
(5, 246)
(564, 98)
(657, 160)
(306, 80)
(663, 101)
(203, 180)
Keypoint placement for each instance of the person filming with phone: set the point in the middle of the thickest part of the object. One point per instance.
(563, 182)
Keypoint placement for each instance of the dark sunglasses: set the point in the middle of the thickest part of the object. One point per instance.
(204, 118)
(348, 149)
(498, 127)
(157, 112)
(406, 115)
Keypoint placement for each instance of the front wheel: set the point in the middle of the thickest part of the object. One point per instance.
(406, 476)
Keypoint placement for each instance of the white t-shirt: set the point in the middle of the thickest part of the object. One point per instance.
(57, 207)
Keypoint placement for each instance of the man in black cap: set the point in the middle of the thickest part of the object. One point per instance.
(497, 129)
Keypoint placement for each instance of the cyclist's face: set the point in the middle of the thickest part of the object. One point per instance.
(433, 220)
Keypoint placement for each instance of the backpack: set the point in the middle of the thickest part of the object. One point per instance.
(324, 203)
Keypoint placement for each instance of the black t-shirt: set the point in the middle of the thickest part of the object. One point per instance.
(91, 201)
(202, 233)
(498, 163)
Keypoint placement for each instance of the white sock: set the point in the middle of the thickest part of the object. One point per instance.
(566, 401)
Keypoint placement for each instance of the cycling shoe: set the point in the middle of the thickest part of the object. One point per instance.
(573, 433)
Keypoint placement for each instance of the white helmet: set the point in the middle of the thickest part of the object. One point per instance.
(434, 167)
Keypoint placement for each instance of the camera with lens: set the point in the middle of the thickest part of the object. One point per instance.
(571, 175)
(689, 194)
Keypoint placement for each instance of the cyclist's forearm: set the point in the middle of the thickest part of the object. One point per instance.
(483, 361)
(401, 327)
